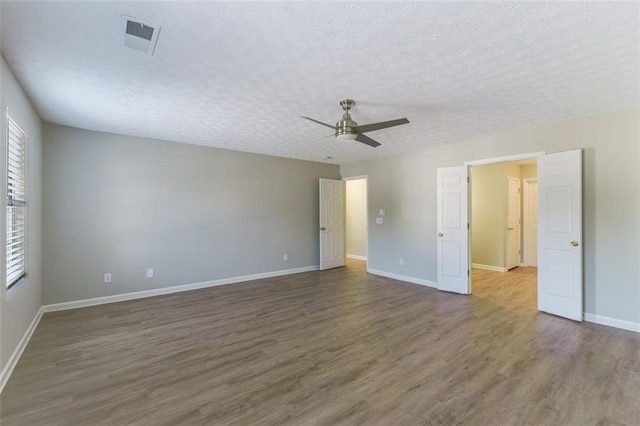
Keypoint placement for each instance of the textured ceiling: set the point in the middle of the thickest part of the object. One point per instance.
(237, 75)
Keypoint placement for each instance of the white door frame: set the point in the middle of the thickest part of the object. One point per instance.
(526, 219)
(366, 209)
(505, 159)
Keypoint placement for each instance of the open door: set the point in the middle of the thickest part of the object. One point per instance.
(453, 229)
(513, 222)
(560, 234)
(530, 222)
(332, 195)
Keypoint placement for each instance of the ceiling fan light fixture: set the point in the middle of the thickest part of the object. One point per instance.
(346, 136)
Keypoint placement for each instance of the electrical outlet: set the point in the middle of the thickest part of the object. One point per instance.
(107, 278)
(285, 257)
(150, 273)
(401, 261)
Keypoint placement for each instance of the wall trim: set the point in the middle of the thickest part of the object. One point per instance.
(355, 177)
(170, 290)
(356, 256)
(412, 280)
(612, 322)
(17, 353)
(488, 267)
(516, 157)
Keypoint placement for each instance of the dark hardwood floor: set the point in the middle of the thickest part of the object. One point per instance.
(331, 347)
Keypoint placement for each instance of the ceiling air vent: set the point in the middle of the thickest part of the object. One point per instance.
(140, 35)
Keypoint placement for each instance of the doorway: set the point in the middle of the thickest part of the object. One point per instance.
(356, 218)
(497, 212)
(559, 231)
(501, 215)
(530, 221)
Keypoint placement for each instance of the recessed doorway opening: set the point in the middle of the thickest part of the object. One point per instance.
(356, 243)
(503, 222)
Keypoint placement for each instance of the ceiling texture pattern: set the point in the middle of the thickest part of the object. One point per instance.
(238, 75)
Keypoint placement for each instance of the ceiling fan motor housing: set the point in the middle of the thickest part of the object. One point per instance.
(345, 128)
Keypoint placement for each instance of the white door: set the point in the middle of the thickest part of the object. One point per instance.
(530, 225)
(560, 234)
(453, 229)
(331, 223)
(513, 223)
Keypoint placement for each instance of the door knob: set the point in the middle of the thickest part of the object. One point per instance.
(509, 229)
(574, 243)
(323, 228)
(440, 234)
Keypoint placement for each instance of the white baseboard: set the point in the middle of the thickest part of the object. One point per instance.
(488, 267)
(412, 280)
(17, 353)
(612, 322)
(169, 290)
(356, 256)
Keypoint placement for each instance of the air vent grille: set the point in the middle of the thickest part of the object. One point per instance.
(137, 29)
(140, 35)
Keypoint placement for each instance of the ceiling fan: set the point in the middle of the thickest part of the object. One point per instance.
(347, 129)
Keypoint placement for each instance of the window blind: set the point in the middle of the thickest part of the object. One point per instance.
(16, 202)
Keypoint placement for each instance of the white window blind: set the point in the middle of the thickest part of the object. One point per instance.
(16, 202)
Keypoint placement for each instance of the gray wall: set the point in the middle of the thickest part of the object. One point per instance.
(122, 204)
(405, 186)
(19, 307)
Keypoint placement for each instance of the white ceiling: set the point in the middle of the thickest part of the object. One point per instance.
(237, 75)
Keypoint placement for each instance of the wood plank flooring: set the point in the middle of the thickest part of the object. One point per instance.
(331, 347)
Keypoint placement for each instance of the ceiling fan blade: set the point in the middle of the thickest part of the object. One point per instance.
(381, 125)
(367, 140)
(319, 122)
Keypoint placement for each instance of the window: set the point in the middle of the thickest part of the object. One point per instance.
(16, 203)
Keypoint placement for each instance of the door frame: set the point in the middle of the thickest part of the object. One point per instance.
(366, 212)
(494, 160)
(526, 188)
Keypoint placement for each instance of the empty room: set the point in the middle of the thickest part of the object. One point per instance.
(300, 213)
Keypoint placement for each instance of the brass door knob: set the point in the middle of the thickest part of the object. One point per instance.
(440, 234)
(323, 228)
(574, 243)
